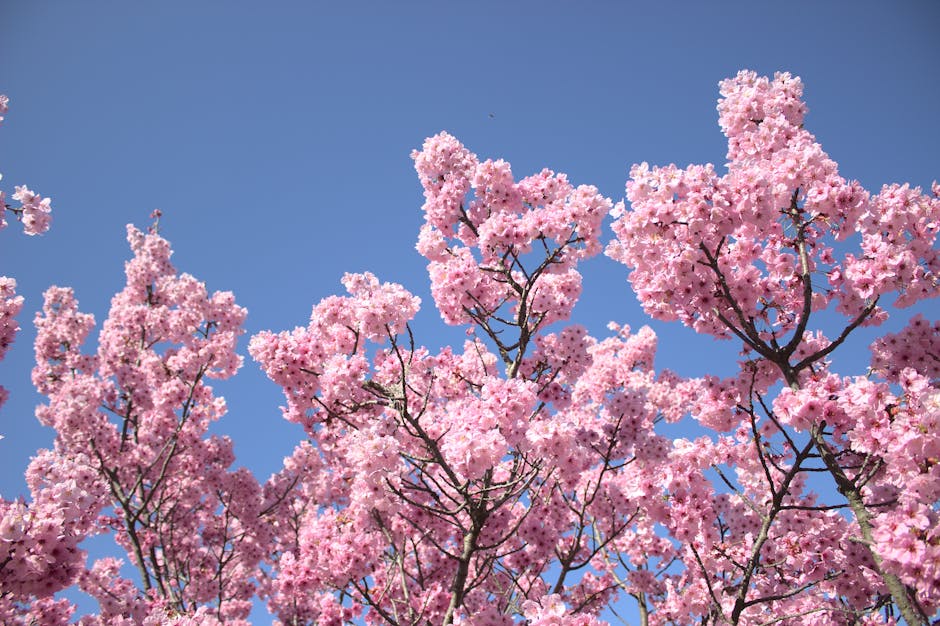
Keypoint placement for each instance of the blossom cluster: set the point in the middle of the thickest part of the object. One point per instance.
(718, 252)
(916, 346)
(481, 226)
(34, 211)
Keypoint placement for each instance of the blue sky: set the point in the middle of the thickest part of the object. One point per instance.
(275, 137)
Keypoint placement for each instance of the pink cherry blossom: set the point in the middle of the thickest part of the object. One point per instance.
(535, 474)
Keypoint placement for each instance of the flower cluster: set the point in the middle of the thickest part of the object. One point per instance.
(735, 254)
(481, 227)
(39, 540)
(916, 346)
(34, 211)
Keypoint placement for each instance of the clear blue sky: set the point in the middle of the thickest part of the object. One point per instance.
(276, 136)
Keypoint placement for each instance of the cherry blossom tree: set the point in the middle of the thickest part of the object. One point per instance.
(757, 254)
(468, 485)
(132, 458)
(527, 475)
